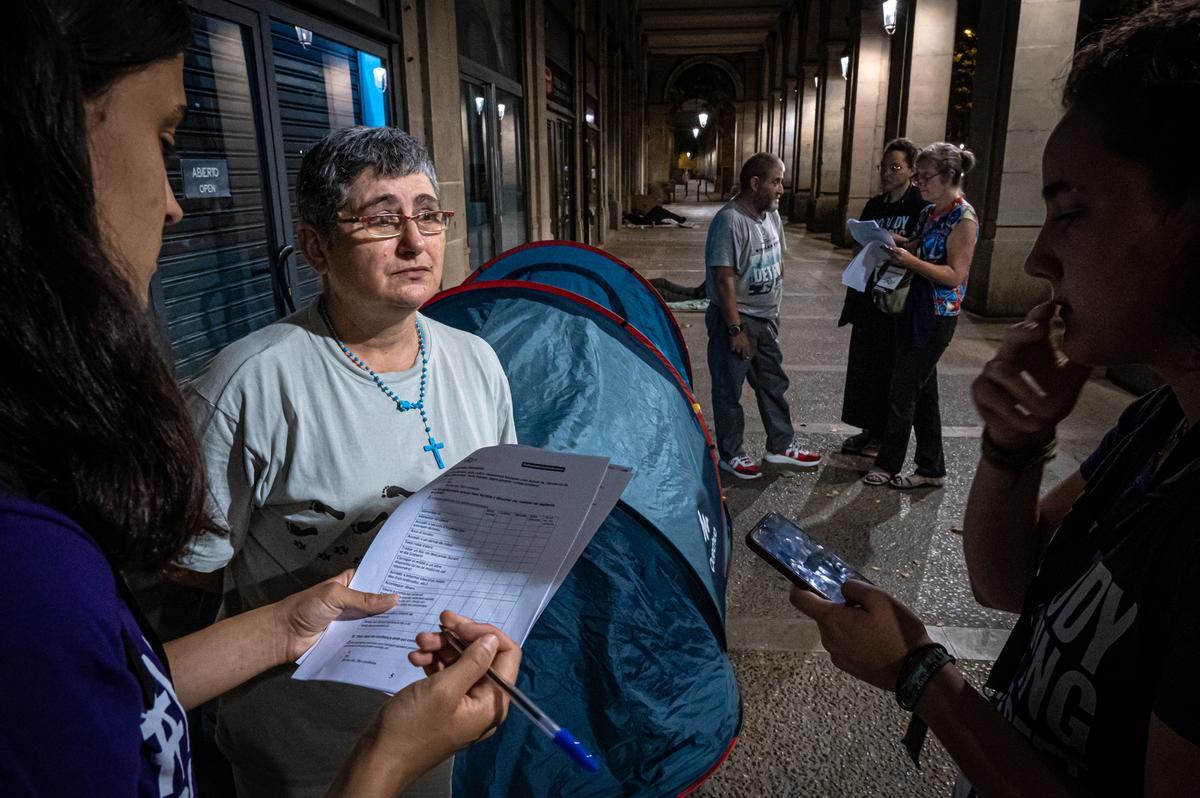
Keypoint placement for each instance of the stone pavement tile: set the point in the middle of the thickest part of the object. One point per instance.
(810, 730)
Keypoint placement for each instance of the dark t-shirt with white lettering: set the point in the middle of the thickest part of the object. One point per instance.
(87, 706)
(1113, 630)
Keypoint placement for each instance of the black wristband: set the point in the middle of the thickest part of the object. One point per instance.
(918, 668)
(1016, 459)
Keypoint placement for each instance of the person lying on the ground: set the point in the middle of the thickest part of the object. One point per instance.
(656, 216)
(1096, 690)
(674, 292)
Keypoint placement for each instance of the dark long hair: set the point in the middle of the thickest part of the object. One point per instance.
(91, 420)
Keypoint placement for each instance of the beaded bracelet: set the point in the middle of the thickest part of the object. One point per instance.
(919, 667)
(1016, 459)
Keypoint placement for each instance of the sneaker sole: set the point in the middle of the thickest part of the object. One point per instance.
(738, 474)
(778, 459)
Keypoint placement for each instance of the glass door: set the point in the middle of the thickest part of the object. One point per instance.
(562, 178)
(493, 168)
(324, 79)
(476, 174)
(510, 168)
(215, 282)
(263, 83)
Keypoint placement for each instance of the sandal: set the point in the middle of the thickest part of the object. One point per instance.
(875, 478)
(915, 481)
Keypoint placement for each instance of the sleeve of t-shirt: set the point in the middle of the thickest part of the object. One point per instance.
(1132, 418)
(504, 408)
(231, 489)
(779, 229)
(720, 249)
(71, 707)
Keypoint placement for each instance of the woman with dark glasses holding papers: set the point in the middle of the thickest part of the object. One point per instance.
(1097, 690)
(100, 473)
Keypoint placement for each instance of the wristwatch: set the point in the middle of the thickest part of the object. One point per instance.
(735, 329)
(918, 669)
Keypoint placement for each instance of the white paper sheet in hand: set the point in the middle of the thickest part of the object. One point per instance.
(866, 261)
(611, 488)
(486, 539)
(868, 231)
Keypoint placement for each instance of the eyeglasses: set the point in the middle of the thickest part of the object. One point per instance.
(925, 177)
(391, 225)
(889, 167)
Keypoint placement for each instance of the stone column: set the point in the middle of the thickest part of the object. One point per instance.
(536, 116)
(831, 122)
(806, 133)
(929, 70)
(868, 110)
(791, 109)
(1023, 48)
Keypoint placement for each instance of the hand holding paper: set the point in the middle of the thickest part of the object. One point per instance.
(874, 239)
(492, 538)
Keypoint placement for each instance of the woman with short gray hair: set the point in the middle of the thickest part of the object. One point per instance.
(317, 427)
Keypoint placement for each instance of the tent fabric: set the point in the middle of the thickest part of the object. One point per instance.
(584, 382)
(623, 660)
(630, 653)
(596, 275)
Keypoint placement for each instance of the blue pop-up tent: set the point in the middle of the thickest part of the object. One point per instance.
(596, 275)
(630, 653)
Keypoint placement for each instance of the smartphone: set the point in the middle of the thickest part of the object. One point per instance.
(798, 557)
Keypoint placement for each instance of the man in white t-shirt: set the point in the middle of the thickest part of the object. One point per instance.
(316, 427)
(744, 282)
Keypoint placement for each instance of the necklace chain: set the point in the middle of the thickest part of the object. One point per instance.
(403, 405)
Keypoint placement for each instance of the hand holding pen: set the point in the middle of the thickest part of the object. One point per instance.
(427, 721)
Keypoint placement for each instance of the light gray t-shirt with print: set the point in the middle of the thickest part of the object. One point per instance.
(754, 249)
(306, 458)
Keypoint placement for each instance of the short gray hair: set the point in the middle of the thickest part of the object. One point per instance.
(332, 164)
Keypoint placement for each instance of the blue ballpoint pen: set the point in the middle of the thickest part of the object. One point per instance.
(561, 737)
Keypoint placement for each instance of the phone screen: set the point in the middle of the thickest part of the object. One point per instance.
(799, 557)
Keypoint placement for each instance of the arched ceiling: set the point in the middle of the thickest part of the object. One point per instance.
(696, 27)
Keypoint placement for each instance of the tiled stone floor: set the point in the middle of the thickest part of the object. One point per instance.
(808, 729)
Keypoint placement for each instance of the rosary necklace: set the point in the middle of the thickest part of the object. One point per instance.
(402, 405)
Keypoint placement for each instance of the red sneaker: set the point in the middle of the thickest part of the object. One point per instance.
(742, 467)
(794, 456)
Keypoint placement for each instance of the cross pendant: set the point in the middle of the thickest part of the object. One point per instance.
(433, 447)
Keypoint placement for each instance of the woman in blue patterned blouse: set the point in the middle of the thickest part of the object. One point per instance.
(939, 258)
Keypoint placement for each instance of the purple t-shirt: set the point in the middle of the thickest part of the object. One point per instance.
(87, 707)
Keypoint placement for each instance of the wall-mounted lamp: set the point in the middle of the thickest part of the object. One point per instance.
(695, 132)
(816, 82)
(304, 36)
(688, 154)
(479, 105)
(703, 117)
(889, 16)
(590, 118)
(845, 67)
(500, 109)
(380, 75)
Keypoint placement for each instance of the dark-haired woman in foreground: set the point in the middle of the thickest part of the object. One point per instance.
(99, 470)
(1097, 688)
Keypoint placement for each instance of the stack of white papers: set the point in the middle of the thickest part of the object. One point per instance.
(493, 538)
(873, 239)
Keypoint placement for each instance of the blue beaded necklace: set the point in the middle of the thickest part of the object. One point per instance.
(403, 405)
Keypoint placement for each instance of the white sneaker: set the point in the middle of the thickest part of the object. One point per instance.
(794, 456)
(742, 467)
